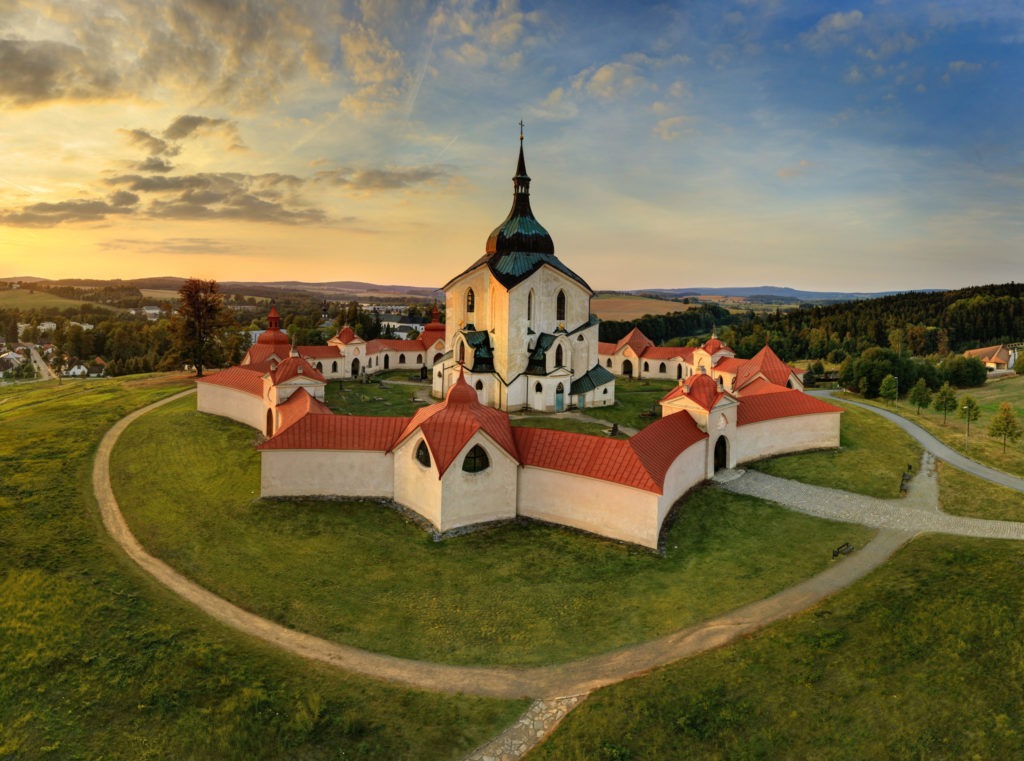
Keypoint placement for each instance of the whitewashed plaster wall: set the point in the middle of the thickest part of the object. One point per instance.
(231, 403)
(325, 473)
(782, 435)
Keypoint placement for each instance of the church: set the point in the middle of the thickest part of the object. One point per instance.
(518, 336)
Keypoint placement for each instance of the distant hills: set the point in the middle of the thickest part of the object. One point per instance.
(343, 290)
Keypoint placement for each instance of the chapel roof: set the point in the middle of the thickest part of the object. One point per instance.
(241, 378)
(338, 432)
(767, 363)
(699, 388)
(786, 402)
(520, 245)
(449, 425)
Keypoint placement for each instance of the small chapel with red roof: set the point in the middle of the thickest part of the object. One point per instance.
(519, 335)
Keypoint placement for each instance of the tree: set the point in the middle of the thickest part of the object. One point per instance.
(969, 410)
(889, 388)
(1005, 425)
(944, 400)
(199, 322)
(919, 395)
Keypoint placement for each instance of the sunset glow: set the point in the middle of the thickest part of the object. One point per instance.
(839, 146)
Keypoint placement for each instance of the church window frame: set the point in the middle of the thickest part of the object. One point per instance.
(476, 460)
(529, 309)
(401, 359)
(608, 362)
(538, 388)
(662, 368)
(560, 306)
(334, 366)
(422, 453)
(319, 367)
(479, 385)
(419, 359)
(470, 301)
(559, 356)
(647, 367)
(462, 352)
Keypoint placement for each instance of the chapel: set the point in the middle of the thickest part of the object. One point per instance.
(518, 336)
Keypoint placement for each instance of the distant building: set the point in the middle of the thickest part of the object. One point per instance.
(1000, 357)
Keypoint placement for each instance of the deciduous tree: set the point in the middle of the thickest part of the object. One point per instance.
(969, 410)
(1005, 425)
(889, 388)
(198, 324)
(944, 400)
(920, 396)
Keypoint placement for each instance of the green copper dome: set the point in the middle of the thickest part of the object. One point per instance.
(520, 232)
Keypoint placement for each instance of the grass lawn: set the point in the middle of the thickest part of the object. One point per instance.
(357, 572)
(97, 661)
(921, 660)
(633, 397)
(563, 424)
(355, 398)
(979, 446)
(873, 454)
(963, 494)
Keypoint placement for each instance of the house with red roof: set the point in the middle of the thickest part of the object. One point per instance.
(1000, 357)
(518, 335)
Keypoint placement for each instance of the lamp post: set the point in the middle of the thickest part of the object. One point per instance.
(897, 400)
(967, 415)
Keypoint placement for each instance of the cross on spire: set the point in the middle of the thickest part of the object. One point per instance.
(521, 125)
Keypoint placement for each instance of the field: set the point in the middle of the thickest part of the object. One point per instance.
(96, 661)
(980, 446)
(621, 306)
(153, 294)
(24, 300)
(357, 572)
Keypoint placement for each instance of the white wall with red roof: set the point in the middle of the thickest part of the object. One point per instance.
(326, 473)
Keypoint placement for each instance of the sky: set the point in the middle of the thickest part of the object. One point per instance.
(860, 146)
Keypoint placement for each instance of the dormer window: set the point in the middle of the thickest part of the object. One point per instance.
(470, 301)
(560, 307)
(423, 454)
(476, 460)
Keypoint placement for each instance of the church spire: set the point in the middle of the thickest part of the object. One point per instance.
(520, 232)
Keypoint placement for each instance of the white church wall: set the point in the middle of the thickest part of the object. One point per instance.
(478, 497)
(783, 435)
(683, 474)
(416, 486)
(601, 507)
(325, 473)
(231, 403)
(456, 317)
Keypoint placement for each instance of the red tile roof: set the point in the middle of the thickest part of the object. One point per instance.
(700, 388)
(668, 352)
(767, 363)
(292, 367)
(297, 406)
(262, 353)
(239, 378)
(606, 347)
(319, 352)
(640, 462)
(784, 403)
(713, 344)
(339, 432)
(760, 386)
(345, 335)
(636, 340)
(393, 344)
(730, 365)
(449, 425)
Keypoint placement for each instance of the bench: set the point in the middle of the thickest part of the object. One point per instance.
(843, 549)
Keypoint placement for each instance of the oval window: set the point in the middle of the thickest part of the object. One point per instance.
(423, 454)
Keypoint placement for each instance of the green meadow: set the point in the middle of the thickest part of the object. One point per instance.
(97, 661)
(358, 572)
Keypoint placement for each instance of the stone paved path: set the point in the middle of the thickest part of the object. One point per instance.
(560, 687)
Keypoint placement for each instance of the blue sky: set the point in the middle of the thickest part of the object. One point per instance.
(840, 146)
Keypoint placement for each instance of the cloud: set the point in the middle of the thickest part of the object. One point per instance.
(375, 67)
(173, 246)
(154, 164)
(84, 210)
(152, 144)
(40, 71)
(833, 29)
(674, 127)
(609, 81)
(853, 76)
(190, 125)
(380, 179)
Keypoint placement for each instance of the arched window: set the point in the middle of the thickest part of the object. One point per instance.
(387, 361)
(423, 454)
(479, 385)
(476, 460)
(334, 366)
(319, 367)
(558, 356)
(462, 353)
(662, 368)
(539, 388)
(470, 301)
(679, 371)
(560, 306)
(401, 359)
(646, 367)
(608, 363)
(419, 359)
(529, 307)
(437, 358)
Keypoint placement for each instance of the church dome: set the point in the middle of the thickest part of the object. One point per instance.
(520, 232)
(273, 335)
(461, 392)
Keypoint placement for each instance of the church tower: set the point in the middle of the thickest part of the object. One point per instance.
(519, 322)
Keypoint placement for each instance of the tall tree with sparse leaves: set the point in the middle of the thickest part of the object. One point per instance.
(944, 401)
(1005, 425)
(198, 324)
